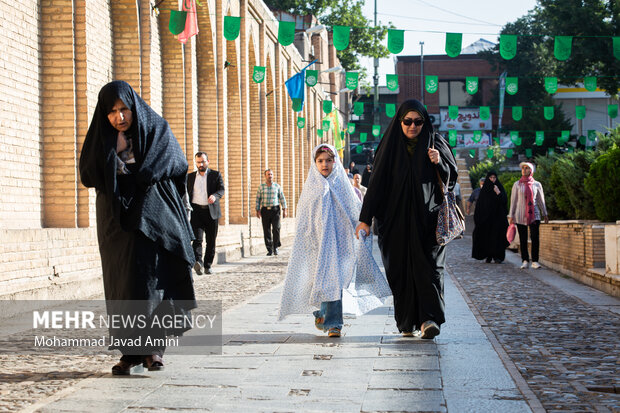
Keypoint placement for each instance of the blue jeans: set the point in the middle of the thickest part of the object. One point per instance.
(332, 311)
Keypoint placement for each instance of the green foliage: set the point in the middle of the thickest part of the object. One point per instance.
(608, 140)
(542, 174)
(567, 180)
(603, 183)
(508, 179)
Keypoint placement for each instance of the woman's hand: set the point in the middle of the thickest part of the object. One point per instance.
(496, 189)
(362, 226)
(433, 155)
(510, 221)
(121, 142)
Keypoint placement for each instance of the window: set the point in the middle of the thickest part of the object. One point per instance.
(452, 92)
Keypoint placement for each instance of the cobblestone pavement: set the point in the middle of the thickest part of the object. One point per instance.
(566, 350)
(26, 379)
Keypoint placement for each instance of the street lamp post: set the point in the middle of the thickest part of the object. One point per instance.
(422, 71)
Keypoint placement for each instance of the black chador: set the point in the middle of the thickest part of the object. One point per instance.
(489, 238)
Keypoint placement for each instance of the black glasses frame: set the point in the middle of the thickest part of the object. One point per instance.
(409, 121)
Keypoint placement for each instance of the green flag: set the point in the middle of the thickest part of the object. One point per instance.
(590, 83)
(286, 33)
(508, 45)
(363, 137)
(351, 80)
(477, 136)
(485, 112)
(231, 27)
(571, 149)
(592, 135)
(540, 137)
(471, 84)
(580, 111)
(453, 44)
(560, 141)
(326, 125)
(517, 113)
(472, 153)
(341, 37)
(259, 74)
(512, 85)
(582, 140)
(319, 133)
(453, 112)
(297, 104)
(563, 138)
(351, 128)
(528, 153)
(312, 76)
(391, 81)
(301, 122)
(431, 84)
(489, 153)
(612, 110)
(562, 47)
(390, 109)
(358, 108)
(177, 21)
(616, 47)
(508, 153)
(551, 151)
(548, 112)
(376, 130)
(551, 84)
(454, 152)
(452, 137)
(514, 137)
(327, 106)
(396, 40)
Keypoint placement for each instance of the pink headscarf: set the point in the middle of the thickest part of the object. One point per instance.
(528, 181)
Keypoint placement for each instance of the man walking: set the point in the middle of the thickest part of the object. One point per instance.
(205, 189)
(269, 200)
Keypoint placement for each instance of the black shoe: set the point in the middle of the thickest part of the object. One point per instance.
(198, 268)
(488, 260)
(208, 270)
(498, 261)
(269, 253)
(275, 252)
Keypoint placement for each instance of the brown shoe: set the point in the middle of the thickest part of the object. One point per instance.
(123, 368)
(430, 329)
(153, 362)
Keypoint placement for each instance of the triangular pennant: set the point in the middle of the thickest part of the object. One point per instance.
(363, 137)
(580, 111)
(477, 136)
(453, 112)
(540, 137)
(177, 21)
(312, 77)
(376, 130)
(616, 47)
(286, 33)
(549, 112)
(562, 47)
(396, 40)
(509, 153)
(391, 81)
(358, 108)
(327, 106)
(341, 37)
(301, 122)
(390, 109)
(297, 104)
(590, 83)
(351, 128)
(517, 113)
(431, 84)
(512, 85)
(351, 80)
(489, 153)
(508, 45)
(326, 124)
(471, 84)
(453, 44)
(452, 137)
(612, 110)
(528, 153)
(231, 27)
(259, 74)
(551, 84)
(485, 112)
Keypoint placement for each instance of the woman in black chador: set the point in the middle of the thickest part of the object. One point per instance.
(403, 197)
(135, 163)
(490, 217)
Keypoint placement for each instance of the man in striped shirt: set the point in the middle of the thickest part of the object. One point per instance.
(269, 201)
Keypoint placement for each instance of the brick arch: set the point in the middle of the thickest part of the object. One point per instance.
(272, 120)
(256, 145)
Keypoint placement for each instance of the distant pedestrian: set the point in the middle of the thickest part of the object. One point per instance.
(527, 206)
(403, 198)
(205, 189)
(352, 168)
(473, 197)
(326, 255)
(270, 201)
(366, 175)
(491, 219)
(357, 183)
(135, 163)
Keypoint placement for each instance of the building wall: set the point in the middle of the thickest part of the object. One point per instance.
(55, 59)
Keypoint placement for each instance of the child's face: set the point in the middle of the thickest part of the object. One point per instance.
(325, 164)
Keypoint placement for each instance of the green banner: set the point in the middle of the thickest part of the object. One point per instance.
(376, 130)
(514, 138)
(453, 112)
(431, 83)
(540, 137)
(582, 140)
(452, 137)
(563, 138)
(549, 112)
(351, 128)
(358, 108)
(326, 125)
(551, 151)
(286, 33)
(580, 111)
(351, 80)
(312, 76)
(551, 84)
(301, 122)
(231, 27)
(327, 106)
(512, 85)
(177, 21)
(509, 153)
(319, 133)
(485, 112)
(612, 111)
(341, 36)
(489, 153)
(471, 84)
(517, 113)
(296, 104)
(472, 153)
(590, 83)
(528, 153)
(616, 47)
(508, 45)
(259, 74)
(477, 136)
(454, 152)
(391, 81)
(453, 44)
(496, 140)
(363, 137)
(571, 149)
(390, 109)
(359, 149)
(396, 40)
(592, 135)
(562, 47)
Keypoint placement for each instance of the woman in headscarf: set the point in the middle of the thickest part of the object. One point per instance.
(135, 163)
(527, 206)
(326, 255)
(403, 197)
(490, 217)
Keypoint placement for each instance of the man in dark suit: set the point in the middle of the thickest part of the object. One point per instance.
(204, 188)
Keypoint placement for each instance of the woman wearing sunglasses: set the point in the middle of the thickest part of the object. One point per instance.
(403, 197)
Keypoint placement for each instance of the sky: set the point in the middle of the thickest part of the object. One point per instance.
(428, 20)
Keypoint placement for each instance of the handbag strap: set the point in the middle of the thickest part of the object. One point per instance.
(441, 186)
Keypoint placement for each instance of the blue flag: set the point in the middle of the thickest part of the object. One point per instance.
(296, 85)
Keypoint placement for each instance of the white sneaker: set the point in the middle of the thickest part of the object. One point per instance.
(535, 265)
(524, 265)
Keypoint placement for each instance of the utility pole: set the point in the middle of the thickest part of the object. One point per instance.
(422, 71)
(375, 106)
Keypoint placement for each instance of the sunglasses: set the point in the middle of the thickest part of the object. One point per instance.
(409, 121)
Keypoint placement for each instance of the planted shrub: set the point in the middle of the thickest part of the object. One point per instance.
(603, 184)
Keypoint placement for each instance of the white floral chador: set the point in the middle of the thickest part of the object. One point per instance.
(326, 257)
